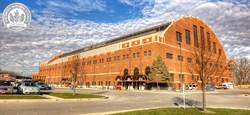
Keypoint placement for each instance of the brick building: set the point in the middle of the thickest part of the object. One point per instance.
(11, 76)
(110, 63)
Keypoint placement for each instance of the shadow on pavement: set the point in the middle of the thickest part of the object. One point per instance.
(177, 101)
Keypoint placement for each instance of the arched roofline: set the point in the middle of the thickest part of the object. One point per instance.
(198, 19)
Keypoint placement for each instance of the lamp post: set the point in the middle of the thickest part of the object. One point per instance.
(182, 77)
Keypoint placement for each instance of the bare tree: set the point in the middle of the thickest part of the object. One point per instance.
(207, 64)
(74, 71)
(241, 70)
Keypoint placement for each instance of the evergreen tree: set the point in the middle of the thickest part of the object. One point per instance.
(159, 71)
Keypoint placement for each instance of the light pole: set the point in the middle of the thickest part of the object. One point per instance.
(182, 77)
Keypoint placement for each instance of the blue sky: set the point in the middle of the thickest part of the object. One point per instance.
(59, 26)
(106, 11)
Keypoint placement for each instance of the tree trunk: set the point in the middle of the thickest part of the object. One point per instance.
(73, 88)
(157, 85)
(204, 104)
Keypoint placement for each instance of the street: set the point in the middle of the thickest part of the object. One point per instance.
(123, 100)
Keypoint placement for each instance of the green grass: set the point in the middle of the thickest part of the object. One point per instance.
(76, 96)
(188, 111)
(21, 97)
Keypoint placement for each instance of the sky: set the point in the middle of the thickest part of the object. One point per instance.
(59, 26)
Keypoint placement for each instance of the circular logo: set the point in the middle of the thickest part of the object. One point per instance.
(16, 17)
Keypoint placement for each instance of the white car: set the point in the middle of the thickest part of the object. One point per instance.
(228, 85)
(192, 87)
(28, 87)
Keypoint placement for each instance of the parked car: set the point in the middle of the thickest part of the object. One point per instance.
(210, 87)
(27, 87)
(227, 85)
(6, 87)
(192, 87)
(219, 87)
(43, 87)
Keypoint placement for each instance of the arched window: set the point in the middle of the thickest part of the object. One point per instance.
(136, 71)
(125, 72)
(147, 70)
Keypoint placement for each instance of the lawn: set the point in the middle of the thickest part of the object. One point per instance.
(21, 97)
(189, 111)
(76, 96)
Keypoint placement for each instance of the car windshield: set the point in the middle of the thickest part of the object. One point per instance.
(29, 83)
(5, 83)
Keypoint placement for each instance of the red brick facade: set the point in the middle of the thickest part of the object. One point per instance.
(99, 65)
(6, 77)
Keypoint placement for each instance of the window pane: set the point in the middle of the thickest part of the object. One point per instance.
(195, 36)
(178, 37)
(188, 41)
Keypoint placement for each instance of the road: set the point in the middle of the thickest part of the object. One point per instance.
(123, 100)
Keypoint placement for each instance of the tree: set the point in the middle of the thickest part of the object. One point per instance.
(241, 70)
(74, 71)
(159, 71)
(207, 65)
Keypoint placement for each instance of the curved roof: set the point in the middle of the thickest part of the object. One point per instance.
(114, 40)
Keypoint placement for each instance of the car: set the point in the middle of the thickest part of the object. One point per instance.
(210, 87)
(43, 87)
(6, 87)
(227, 85)
(219, 87)
(28, 87)
(191, 87)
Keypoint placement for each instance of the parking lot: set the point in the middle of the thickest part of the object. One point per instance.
(24, 87)
(123, 100)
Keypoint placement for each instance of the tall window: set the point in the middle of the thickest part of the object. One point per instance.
(145, 53)
(214, 47)
(171, 77)
(178, 37)
(195, 36)
(208, 42)
(202, 37)
(219, 51)
(188, 41)
(149, 52)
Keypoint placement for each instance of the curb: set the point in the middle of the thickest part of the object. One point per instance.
(129, 110)
(122, 111)
(51, 98)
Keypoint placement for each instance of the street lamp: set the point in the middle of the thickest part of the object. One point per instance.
(182, 77)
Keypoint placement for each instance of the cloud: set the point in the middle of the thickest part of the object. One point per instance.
(49, 34)
(137, 3)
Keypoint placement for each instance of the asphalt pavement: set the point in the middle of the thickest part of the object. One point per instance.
(125, 100)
